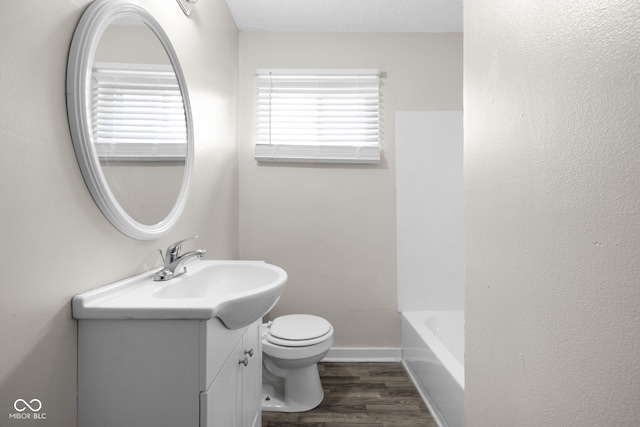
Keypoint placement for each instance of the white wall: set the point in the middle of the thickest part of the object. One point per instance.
(56, 243)
(552, 199)
(333, 227)
(429, 210)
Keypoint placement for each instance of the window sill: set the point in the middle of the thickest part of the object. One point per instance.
(317, 154)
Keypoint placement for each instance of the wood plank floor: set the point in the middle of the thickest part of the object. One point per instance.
(361, 395)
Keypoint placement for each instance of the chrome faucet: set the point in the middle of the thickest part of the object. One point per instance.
(173, 260)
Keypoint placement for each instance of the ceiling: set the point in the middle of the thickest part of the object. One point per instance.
(404, 16)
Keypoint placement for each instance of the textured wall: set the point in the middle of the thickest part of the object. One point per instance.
(332, 227)
(56, 242)
(552, 198)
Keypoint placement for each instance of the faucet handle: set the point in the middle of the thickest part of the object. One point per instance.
(174, 249)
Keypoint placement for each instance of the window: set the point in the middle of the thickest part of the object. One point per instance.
(317, 116)
(137, 113)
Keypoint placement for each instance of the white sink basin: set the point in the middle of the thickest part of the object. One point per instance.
(236, 292)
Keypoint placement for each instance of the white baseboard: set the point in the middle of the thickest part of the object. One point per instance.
(363, 354)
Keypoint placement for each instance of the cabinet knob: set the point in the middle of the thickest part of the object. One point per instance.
(249, 352)
(244, 361)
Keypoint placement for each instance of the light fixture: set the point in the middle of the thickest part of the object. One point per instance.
(187, 5)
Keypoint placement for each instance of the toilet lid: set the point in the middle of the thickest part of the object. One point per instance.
(299, 327)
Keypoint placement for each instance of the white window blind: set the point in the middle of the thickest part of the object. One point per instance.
(317, 115)
(137, 112)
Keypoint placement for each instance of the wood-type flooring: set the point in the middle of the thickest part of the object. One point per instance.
(361, 395)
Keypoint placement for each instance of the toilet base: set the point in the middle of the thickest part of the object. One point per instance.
(301, 391)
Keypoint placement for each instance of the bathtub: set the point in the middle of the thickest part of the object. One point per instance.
(433, 354)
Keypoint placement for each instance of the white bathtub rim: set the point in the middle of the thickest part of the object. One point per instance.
(417, 320)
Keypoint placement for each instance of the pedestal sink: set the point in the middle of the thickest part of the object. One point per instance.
(236, 292)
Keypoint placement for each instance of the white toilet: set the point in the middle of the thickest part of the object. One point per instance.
(291, 348)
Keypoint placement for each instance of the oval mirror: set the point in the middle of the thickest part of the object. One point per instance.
(130, 118)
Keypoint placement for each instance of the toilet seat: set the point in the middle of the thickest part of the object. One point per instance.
(298, 330)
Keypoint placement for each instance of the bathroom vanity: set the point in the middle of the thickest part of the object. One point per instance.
(178, 353)
(168, 373)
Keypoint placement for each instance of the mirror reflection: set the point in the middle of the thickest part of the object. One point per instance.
(138, 120)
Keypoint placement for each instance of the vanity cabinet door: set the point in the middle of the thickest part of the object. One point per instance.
(221, 404)
(252, 378)
(234, 397)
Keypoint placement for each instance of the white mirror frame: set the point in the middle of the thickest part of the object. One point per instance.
(94, 21)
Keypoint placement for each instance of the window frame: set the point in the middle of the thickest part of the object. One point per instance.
(358, 128)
